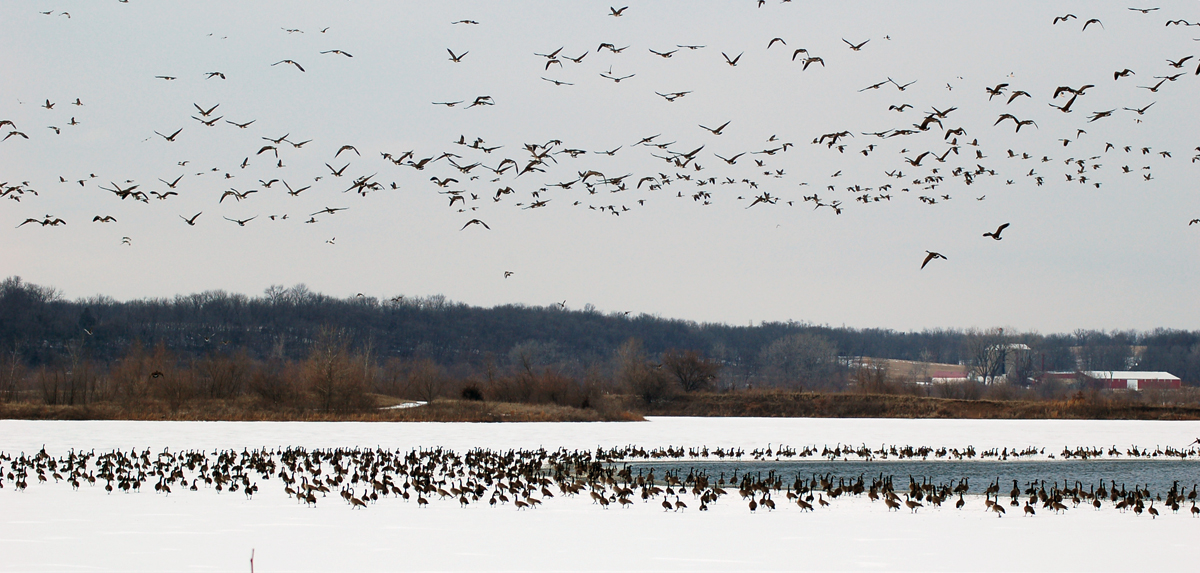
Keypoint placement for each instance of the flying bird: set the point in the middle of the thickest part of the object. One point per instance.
(170, 137)
(476, 222)
(191, 221)
(718, 130)
(995, 235)
(734, 61)
(932, 255)
(1139, 111)
(853, 46)
(292, 62)
(46, 222)
(208, 112)
(1178, 63)
(241, 222)
(616, 79)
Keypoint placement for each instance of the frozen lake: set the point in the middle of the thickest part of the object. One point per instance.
(50, 527)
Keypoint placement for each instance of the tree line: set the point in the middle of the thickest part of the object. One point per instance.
(515, 351)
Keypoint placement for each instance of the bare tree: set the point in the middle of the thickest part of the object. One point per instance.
(691, 370)
(801, 360)
(426, 379)
(337, 379)
(640, 378)
(12, 373)
(986, 352)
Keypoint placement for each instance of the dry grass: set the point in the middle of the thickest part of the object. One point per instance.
(245, 409)
(765, 403)
(847, 405)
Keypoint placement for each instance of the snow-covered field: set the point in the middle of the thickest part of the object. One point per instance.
(747, 433)
(50, 527)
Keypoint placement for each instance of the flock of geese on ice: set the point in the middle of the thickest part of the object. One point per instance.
(934, 149)
(525, 479)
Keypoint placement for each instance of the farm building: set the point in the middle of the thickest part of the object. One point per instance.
(1113, 380)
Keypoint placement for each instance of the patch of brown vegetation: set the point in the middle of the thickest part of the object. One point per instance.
(249, 410)
(778, 403)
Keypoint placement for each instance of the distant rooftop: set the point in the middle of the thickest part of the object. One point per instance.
(1128, 375)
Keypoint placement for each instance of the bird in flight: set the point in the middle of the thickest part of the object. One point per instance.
(170, 137)
(932, 255)
(192, 221)
(294, 192)
(617, 12)
(329, 210)
(616, 79)
(458, 58)
(292, 62)
(241, 222)
(1092, 21)
(46, 222)
(104, 219)
(339, 52)
(996, 235)
(730, 160)
(476, 222)
(718, 130)
(734, 61)
(1178, 63)
(208, 112)
(1140, 111)
(508, 274)
(854, 46)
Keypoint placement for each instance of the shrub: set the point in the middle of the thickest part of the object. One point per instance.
(472, 392)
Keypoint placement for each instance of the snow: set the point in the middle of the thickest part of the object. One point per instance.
(405, 405)
(49, 527)
(747, 433)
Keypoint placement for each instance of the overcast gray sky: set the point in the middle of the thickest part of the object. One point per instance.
(1120, 255)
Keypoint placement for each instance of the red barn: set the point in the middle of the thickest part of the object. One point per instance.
(1109, 379)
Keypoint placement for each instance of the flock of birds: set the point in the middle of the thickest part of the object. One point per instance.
(525, 479)
(925, 150)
